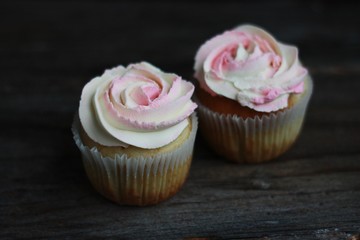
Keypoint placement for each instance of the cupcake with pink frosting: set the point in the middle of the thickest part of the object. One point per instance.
(136, 129)
(253, 94)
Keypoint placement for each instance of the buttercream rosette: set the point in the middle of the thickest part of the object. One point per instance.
(136, 129)
(249, 66)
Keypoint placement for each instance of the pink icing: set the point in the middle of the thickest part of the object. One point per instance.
(140, 101)
(248, 65)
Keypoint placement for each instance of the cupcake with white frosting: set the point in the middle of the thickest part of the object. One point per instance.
(136, 131)
(253, 94)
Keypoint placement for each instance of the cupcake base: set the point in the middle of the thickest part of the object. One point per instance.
(254, 139)
(140, 179)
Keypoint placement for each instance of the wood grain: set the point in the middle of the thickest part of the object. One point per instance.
(50, 49)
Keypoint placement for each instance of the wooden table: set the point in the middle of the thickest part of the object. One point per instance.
(49, 50)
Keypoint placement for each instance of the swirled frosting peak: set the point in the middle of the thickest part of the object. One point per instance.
(139, 105)
(248, 65)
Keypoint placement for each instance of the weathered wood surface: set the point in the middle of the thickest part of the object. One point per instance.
(50, 49)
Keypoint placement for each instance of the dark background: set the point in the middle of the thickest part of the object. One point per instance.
(50, 49)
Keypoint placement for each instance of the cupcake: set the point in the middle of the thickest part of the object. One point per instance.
(252, 95)
(135, 129)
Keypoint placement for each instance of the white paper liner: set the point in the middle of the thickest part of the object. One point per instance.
(256, 139)
(137, 180)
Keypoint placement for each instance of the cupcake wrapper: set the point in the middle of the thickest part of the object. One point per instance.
(137, 180)
(253, 140)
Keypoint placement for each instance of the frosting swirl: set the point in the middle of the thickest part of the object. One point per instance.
(248, 65)
(139, 105)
